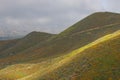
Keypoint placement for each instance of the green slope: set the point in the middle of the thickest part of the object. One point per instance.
(78, 36)
(7, 44)
(9, 49)
(44, 57)
(74, 37)
(28, 41)
(99, 60)
(98, 19)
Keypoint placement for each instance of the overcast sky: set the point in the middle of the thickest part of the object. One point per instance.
(24, 16)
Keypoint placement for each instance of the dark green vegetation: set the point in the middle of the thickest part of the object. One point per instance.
(28, 41)
(42, 51)
(99, 62)
(83, 32)
(7, 44)
(14, 47)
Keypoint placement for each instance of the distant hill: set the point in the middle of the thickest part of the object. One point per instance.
(8, 32)
(79, 34)
(7, 44)
(28, 41)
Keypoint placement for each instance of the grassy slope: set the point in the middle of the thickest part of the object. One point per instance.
(98, 19)
(57, 48)
(28, 41)
(101, 61)
(98, 60)
(80, 34)
(22, 44)
(63, 42)
(7, 44)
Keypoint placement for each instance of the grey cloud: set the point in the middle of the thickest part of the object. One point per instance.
(112, 5)
(24, 16)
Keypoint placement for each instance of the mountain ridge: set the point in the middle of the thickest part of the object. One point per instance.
(71, 43)
(68, 58)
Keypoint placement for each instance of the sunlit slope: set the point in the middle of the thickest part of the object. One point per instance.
(98, 60)
(24, 43)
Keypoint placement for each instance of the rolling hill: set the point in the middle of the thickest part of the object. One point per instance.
(7, 44)
(12, 47)
(88, 50)
(76, 36)
(98, 60)
(64, 42)
(28, 41)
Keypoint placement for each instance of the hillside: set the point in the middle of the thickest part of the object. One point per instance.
(101, 61)
(28, 41)
(10, 48)
(7, 44)
(88, 50)
(64, 43)
(98, 60)
(92, 21)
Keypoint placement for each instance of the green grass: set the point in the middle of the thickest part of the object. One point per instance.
(96, 61)
(98, 19)
(4, 45)
(61, 68)
(70, 54)
(78, 35)
(28, 41)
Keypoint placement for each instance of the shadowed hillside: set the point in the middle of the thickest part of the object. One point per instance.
(7, 44)
(98, 60)
(28, 41)
(64, 42)
(78, 36)
(11, 48)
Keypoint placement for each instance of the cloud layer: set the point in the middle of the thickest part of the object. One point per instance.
(23, 16)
